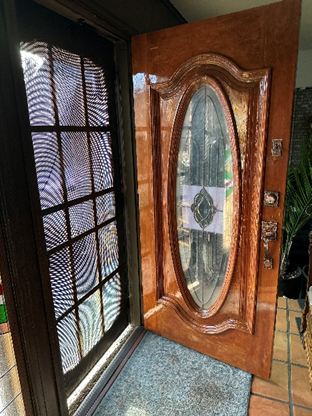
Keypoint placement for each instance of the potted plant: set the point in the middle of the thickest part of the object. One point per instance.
(298, 211)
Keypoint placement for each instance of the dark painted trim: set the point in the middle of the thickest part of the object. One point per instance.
(85, 12)
(22, 243)
(128, 156)
(100, 15)
(175, 11)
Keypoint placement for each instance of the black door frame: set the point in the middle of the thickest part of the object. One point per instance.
(32, 330)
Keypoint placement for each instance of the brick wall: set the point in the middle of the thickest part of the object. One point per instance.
(302, 119)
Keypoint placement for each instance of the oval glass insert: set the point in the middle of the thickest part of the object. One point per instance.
(204, 197)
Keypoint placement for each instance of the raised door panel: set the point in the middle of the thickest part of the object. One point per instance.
(247, 60)
(237, 93)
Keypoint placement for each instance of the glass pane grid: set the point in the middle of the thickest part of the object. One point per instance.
(75, 175)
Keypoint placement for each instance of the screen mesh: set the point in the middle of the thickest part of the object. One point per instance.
(67, 330)
(35, 60)
(69, 115)
(76, 164)
(81, 218)
(96, 92)
(85, 264)
(49, 171)
(102, 159)
(112, 300)
(90, 322)
(68, 87)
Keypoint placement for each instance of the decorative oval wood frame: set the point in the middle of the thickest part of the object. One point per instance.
(215, 71)
(199, 82)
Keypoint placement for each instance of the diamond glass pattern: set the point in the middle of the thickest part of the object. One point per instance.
(204, 197)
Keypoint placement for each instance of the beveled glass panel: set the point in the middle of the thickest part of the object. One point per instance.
(204, 197)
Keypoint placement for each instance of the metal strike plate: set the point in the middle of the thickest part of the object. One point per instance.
(271, 198)
(269, 230)
(277, 146)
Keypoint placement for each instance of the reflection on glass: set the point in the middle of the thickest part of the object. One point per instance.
(38, 83)
(204, 197)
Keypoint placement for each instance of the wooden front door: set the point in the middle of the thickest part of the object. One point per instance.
(213, 104)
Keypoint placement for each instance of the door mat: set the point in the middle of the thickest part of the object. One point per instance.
(165, 378)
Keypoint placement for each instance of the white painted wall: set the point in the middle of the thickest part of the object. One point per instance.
(304, 69)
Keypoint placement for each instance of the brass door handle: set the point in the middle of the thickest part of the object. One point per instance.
(269, 233)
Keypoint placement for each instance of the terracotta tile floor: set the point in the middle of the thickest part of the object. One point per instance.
(288, 391)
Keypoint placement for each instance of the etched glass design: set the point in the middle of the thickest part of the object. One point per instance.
(204, 197)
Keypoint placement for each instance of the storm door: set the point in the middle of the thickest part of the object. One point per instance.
(69, 77)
